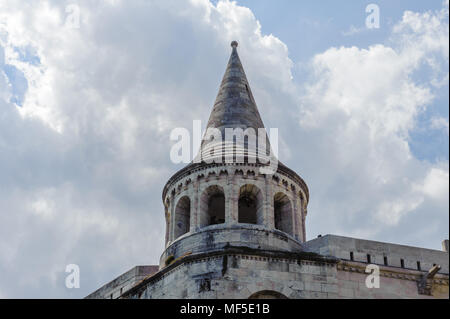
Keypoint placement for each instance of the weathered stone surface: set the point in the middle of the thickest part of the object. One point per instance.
(341, 247)
(124, 282)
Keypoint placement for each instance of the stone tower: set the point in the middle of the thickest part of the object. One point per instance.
(235, 227)
(232, 202)
(215, 205)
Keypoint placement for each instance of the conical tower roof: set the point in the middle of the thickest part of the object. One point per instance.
(235, 106)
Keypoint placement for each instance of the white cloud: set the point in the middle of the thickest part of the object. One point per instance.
(353, 30)
(436, 184)
(357, 114)
(440, 123)
(390, 213)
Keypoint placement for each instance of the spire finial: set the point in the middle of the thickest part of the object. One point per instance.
(234, 44)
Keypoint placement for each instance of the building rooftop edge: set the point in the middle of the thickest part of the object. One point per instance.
(373, 241)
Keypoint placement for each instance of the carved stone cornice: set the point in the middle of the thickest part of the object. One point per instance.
(393, 272)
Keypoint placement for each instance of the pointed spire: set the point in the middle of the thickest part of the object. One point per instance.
(235, 106)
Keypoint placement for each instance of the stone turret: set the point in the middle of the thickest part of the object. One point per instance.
(224, 197)
(237, 230)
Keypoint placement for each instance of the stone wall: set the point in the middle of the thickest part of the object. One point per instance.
(240, 275)
(115, 288)
(394, 283)
(219, 236)
(401, 267)
(248, 261)
(393, 254)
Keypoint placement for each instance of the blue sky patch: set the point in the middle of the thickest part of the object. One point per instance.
(18, 83)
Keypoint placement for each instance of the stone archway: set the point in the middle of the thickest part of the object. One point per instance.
(212, 206)
(182, 216)
(250, 205)
(267, 294)
(283, 213)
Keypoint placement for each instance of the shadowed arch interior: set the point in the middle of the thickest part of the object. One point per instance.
(283, 213)
(250, 205)
(212, 206)
(182, 216)
(267, 294)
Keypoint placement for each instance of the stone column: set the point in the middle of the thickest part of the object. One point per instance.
(195, 206)
(445, 245)
(167, 219)
(231, 200)
(296, 213)
(303, 223)
(269, 221)
(172, 218)
(198, 218)
(228, 192)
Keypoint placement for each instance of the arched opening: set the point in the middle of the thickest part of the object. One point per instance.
(250, 205)
(267, 294)
(182, 216)
(212, 206)
(283, 213)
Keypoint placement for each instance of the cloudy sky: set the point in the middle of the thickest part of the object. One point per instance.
(90, 90)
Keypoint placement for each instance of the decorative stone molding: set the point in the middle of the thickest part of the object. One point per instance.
(244, 253)
(425, 284)
(395, 272)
